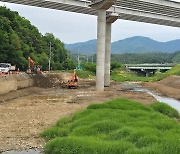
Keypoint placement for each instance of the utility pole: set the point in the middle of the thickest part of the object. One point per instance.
(92, 58)
(78, 61)
(49, 56)
(87, 59)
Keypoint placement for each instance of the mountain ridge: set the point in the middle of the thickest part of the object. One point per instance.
(135, 44)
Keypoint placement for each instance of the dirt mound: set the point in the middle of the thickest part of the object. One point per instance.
(171, 81)
(52, 79)
(169, 86)
(19, 93)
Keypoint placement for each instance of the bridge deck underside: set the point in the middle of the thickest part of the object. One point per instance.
(134, 10)
(150, 68)
(56, 5)
(150, 7)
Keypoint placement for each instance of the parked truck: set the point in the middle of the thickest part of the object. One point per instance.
(6, 68)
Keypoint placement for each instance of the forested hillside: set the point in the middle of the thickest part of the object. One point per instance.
(19, 39)
(139, 58)
(136, 58)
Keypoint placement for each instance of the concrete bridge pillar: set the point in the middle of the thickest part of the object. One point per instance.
(107, 55)
(101, 34)
(101, 6)
(111, 18)
(147, 73)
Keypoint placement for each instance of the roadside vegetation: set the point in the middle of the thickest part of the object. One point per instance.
(117, 126)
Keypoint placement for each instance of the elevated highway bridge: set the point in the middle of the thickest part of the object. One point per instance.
(161, 12)
(149, 68)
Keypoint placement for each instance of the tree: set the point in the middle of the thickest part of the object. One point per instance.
(19, 40)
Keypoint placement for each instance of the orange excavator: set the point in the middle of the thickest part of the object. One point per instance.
(73, 83)
(30, 65)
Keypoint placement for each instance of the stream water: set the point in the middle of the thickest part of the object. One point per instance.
(170, 101)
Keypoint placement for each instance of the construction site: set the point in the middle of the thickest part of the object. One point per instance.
(31, 103)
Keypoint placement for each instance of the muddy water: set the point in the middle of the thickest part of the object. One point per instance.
(170, 101)
(31, 151)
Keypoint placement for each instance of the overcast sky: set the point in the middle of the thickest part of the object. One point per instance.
(73, 27)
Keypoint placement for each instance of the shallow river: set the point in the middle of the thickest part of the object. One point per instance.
(170, 101)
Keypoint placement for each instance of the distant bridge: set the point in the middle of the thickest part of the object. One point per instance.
(149, 68)
(161, 12)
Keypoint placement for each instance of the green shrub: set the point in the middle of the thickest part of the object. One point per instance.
(89, 67)
(85, 74)
(174, 71)
(165, 109)
(115, 65)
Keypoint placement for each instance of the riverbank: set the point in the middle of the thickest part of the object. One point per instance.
(169, 86)
(23, 118)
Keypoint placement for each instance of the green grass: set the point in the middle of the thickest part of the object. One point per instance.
(174, 71)
(116, 127)
(122, 76)
(165, 109)
(85, 74)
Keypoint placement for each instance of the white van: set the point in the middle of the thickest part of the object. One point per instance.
(6, 67)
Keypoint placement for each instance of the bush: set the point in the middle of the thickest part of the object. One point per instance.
(115, 65)
(85, 74)
(174, 71)
(165, 109)
(89, 67)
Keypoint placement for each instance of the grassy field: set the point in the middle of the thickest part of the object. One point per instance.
(122, 76)
(116, 127)
(85, 74)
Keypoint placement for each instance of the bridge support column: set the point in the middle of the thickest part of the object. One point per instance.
(100, 49)
(101, 6)
(147, 73)
(107, 55)
(111, 18)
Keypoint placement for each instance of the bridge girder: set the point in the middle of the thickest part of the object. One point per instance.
(162, 12)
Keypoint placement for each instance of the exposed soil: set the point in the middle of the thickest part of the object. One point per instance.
(26, 113)
(169, 87)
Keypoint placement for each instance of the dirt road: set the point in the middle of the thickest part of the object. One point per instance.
(27, 112)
